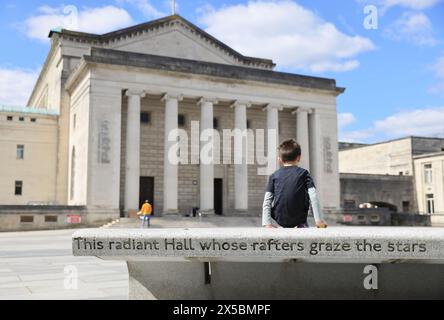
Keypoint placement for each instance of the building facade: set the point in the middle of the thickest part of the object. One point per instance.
(429, 179)
(404, 175)
(118, 97)
(28, 144)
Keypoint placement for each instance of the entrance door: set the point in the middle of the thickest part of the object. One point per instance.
(146, 191)
(218, 196)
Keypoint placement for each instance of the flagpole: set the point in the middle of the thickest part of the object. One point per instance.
(174, 7)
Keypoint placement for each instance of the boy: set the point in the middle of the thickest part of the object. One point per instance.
(290, 191)
(145, 213)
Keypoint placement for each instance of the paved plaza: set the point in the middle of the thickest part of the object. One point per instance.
(32, 264)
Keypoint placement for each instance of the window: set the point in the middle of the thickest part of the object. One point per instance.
(248, 124)
(20, 152)
(216, 123)
(18, 188)
(74, 121)
(181, 120)
(430, 203)
(26, 219)
(401, 173)
(33, 120)
(73, 173)
(22, 119)
(50, 218)
(428, 174)
(145, 117)
(9, 118)
(405, 206)
(375, 218)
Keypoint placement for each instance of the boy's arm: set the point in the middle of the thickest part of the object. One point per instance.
(266, 209)
(268, 202)
(315, 204)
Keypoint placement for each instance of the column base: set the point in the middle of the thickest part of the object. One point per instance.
(170, 213)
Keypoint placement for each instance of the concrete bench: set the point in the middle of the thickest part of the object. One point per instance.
(257, 263)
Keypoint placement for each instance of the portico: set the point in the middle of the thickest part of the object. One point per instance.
(172, 94)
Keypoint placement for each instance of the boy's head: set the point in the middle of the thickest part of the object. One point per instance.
(289, 151)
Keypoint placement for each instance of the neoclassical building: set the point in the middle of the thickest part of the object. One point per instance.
(118, 96)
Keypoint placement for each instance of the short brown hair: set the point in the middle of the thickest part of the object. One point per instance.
(289, 150)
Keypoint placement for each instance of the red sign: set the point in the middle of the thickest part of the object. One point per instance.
(74, 219)
(348, 218)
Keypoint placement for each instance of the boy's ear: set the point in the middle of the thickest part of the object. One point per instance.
(298, 158)
(280, 160)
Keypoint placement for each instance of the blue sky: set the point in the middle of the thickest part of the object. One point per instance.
(394, 74)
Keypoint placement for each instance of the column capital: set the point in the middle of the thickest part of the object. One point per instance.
(238, 103)
(131, 92)
(172, 96)
(272, 106)
(207, 100)
(302, 109)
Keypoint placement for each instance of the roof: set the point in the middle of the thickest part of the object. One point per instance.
(28, 110)
(107, 37)
(429, 155)
(123, 58)
(390, 141)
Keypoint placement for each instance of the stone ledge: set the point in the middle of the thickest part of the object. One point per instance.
(336, 245)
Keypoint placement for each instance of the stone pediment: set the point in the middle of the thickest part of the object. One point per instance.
(172, 36)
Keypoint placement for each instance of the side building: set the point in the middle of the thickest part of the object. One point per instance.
(403, 175)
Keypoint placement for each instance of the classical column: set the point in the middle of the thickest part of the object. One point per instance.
(240, 149)
(273, 136)
(132, 164)
(302, 135)
(206, 158)
(315, 147)
(170, 167)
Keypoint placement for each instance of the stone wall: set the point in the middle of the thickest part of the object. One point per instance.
(368, 188)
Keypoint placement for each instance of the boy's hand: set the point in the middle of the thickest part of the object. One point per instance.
(269, 226)
(321, 225)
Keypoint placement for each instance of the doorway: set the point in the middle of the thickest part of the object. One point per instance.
(146, 191)
(218, 196)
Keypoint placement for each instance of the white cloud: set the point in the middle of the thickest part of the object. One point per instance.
(411, 4)
(418, 122)
(94, 20)
(439, 67)
(345, 119)
(288, 33)
(16, 85)
(148, 10)
(414, 27)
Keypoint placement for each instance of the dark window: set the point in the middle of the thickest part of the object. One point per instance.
(215, 123)
(145, 117)
(9, 118)
(405, 206)
(21, 119)
(26, 219)
(74, 122)
(50, 218)
(20, 152)
(181, 120)
(248, 124)
(18, 188)
(33, 120)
